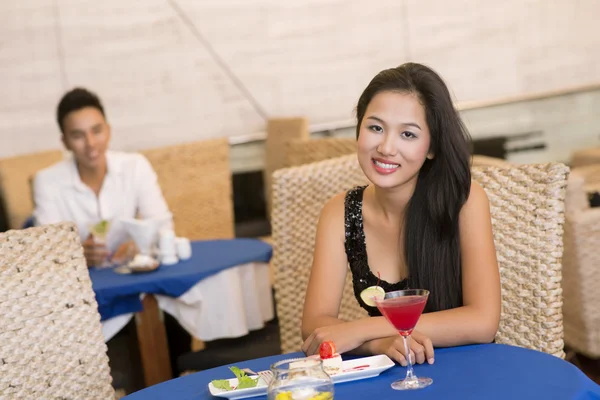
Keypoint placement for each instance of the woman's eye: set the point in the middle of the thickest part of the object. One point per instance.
(375, 128)
(409, 135)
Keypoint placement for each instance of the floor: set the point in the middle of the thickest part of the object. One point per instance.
(589, 366)
(125, 358)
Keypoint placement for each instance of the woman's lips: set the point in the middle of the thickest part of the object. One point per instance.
(384, 167)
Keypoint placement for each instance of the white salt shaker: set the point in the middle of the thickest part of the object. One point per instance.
(167, 249)
(184, 248)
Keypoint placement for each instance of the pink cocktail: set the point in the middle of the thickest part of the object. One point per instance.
(403, 309)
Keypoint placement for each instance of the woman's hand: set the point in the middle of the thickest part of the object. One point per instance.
(421, 349)
(342, 335)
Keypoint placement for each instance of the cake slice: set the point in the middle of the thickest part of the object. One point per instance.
(332, 361)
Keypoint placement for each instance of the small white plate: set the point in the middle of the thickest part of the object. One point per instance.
(259, 390)
(351, 371)
(373, 366)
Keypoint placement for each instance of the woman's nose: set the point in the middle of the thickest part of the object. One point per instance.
(387, 147)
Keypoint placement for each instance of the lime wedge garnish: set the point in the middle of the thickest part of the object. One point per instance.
(101, 228)
(371, 292)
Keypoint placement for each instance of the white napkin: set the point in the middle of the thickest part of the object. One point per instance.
(144, 232)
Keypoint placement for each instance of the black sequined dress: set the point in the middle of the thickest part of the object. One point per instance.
(356, 250)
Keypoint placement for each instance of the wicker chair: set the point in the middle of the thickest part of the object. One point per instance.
(583, 157)
(51, 343)
(299, 193)
(195, 179)
(527, 231)
(581, 309)
(279, 132)
(527, 207)
(299, 152)
(15, 186)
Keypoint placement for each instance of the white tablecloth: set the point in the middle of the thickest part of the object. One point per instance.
(228, 304)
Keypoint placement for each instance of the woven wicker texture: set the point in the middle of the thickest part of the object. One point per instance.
(51, 344)
(299, 194)
(527, 210)
(299, 152)
(279, 132)
(15, 186)
(527, 207)
(583, 157)
(195, 179)
(581, 310)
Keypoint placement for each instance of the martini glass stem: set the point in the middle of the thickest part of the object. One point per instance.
(410, 376)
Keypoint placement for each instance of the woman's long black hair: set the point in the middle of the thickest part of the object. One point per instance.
(431, 232)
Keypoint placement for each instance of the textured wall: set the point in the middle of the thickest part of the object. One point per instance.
(172, 71)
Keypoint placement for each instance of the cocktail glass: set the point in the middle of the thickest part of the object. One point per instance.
(403, 309)
(99, 233)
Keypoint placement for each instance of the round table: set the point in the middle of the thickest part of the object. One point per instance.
(491, 371)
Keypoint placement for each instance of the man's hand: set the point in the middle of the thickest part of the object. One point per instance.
(95, 253)
(124, 253)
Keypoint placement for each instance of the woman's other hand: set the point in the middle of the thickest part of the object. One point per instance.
(421, 349)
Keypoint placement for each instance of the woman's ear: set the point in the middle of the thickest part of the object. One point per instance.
(430, 155)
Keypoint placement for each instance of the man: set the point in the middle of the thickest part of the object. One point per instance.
(95, 184)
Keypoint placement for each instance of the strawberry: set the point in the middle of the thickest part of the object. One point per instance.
(327, 350)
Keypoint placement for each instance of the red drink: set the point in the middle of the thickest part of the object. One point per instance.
(403, 308)
(403, 312)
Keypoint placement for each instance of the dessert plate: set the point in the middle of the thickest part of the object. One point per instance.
(352, 370)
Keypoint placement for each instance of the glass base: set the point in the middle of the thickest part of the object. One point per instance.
(410, 384)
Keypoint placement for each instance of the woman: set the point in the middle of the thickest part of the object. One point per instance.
(420, 224)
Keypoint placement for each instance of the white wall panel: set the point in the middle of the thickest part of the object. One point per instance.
(171, 71)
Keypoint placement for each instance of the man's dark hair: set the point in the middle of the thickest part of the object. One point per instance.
(74, 100)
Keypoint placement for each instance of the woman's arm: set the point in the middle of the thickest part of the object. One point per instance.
(328, 272)
(320, 320)
(477, 320)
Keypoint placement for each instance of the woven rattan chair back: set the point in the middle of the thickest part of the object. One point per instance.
(51, 344)
(527, 211)
(583, 157)
(581, 310)
(195, 179)
(527, 207)
(301, 152)
(16, 174)
(280, 131)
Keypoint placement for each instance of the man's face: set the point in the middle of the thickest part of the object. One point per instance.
(87, 134)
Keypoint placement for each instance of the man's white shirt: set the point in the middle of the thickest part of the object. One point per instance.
(130, 189)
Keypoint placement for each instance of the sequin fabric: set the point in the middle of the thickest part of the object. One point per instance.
(356, 250)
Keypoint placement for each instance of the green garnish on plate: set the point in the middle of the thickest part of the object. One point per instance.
(244, 381)
(222, 384)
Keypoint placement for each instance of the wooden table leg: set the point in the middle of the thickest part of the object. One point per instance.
(152, 337)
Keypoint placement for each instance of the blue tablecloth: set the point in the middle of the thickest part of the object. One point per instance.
(490, 372)
(118, 294)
